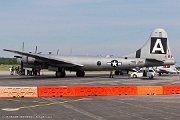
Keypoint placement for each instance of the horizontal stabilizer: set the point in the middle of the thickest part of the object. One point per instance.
(154, 60)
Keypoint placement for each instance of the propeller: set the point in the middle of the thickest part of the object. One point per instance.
(22, 57)
(35, 50)
(57, 51)
(22, 65)
(23, 47)
(71, 52)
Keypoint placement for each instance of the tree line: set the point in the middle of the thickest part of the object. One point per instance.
(8, 61)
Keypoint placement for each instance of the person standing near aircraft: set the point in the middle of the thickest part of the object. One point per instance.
(11, 70)
(111, 74)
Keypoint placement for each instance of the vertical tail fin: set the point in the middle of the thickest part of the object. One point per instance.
(157, 47)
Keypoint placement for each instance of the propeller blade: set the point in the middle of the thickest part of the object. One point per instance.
(57, 51)
(23, 47)
(36, 50)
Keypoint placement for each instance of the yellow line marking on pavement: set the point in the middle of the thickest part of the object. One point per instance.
(35, 101)
(13, 100)
(40, 105)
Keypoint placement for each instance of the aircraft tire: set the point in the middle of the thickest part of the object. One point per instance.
(151, 77)
(121, 73)
(60, 74)
(159, 74)
(80, 73)
(134, 76)
(116, 72)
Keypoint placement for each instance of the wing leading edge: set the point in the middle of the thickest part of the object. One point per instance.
(47, 58)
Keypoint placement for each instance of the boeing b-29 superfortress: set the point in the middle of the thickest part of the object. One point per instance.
(156, 52)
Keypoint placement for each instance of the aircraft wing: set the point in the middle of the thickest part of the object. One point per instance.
(167, 71)
(163, 70)
(47, 59)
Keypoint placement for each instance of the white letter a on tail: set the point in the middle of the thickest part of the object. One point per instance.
(158, 46)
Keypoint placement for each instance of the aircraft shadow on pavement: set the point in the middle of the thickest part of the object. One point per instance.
(14, 77)
(88, 76)
(44, 77)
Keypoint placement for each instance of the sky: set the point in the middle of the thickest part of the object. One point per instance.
(86, 27)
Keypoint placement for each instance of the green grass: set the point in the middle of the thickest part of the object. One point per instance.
(178, 68)
(6, 67)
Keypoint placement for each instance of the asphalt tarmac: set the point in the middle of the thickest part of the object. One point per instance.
(91, 78)
(140, 107)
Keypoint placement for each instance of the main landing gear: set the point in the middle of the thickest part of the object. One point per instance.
(60, 73)
(80, 73)
(118, 72)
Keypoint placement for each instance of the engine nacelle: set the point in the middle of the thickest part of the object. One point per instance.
(52, 68)
(18, 60)
(26, 59)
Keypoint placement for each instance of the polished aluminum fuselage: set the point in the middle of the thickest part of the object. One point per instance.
(90, 63)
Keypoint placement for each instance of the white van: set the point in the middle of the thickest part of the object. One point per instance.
(144, 73)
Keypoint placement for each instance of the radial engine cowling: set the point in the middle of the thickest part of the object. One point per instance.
(18, 60)
(26, 59)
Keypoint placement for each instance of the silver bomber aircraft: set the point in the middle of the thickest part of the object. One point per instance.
(156, 52)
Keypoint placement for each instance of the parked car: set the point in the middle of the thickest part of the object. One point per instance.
(144, 73)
